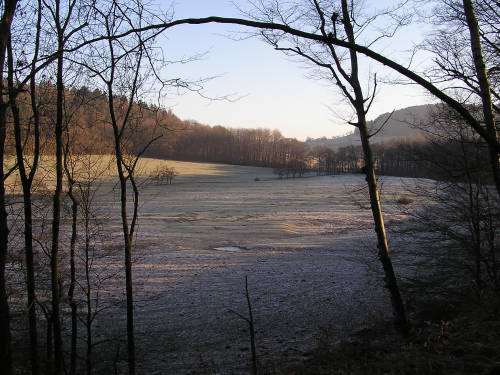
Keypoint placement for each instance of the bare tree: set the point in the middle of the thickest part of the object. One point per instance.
(466, 54)
(457, 231)
(251, 327)
(164, 174)
(484, 83)
(83, 171)
(121, 71)
(81, 175)
(27, 170)
(343, 71)
(8, 10)
(65, 24)
(69, 169)
(280, 25)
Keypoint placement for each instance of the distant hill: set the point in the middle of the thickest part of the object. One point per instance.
(400, 124)
(89, 132)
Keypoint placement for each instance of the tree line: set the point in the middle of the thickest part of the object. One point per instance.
(181, 140)
(413, 156)
(433, 156)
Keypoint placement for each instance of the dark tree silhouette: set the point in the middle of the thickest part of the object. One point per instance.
(8, 10)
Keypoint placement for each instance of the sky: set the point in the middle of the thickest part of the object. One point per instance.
(266, 88)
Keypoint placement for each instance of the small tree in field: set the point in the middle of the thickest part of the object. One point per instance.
(164, 174)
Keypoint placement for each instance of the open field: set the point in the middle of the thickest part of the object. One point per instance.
(303, 243)
(105, 167)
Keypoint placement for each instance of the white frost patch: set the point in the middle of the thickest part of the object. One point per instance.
(229, 248)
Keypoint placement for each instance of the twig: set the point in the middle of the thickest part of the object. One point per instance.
(251, 326)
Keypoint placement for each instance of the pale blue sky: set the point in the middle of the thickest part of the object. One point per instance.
(274, 89)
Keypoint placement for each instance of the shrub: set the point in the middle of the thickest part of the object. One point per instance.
(164, 174)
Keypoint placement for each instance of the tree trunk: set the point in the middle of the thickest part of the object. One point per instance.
(130, 305)
(5, 346)
(401, 319)
(49, 368)
(28, 219)
(86, 213)
(127, 237)
(128, 259)
(399, 311)
(56, 221)
(72, 302)
(252, 329)
(5, 337)
(484, 85)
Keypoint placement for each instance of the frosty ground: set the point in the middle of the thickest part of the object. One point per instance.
(306, 245)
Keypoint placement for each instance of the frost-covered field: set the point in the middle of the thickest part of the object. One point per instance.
(303, 243)
(306, 245)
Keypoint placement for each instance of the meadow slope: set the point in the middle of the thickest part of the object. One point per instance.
(307, 246)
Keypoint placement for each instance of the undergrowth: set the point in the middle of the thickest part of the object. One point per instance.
(447, 338)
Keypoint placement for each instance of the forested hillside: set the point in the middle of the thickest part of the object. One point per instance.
(89, 130)
(410, 142)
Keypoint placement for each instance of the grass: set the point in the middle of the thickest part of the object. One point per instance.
(104, 166)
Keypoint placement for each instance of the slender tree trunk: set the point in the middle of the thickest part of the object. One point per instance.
(71, 290)
(5, 346)
(56, 221)
(252, 329)
(401, 320)
(28, 218)
(5, 337)
(27, 181)
(88, 359)
(128, 260)
(127, 237)
(86, 214)
(49, 369)
(484, 85)
(130, 304)
(399, 311)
